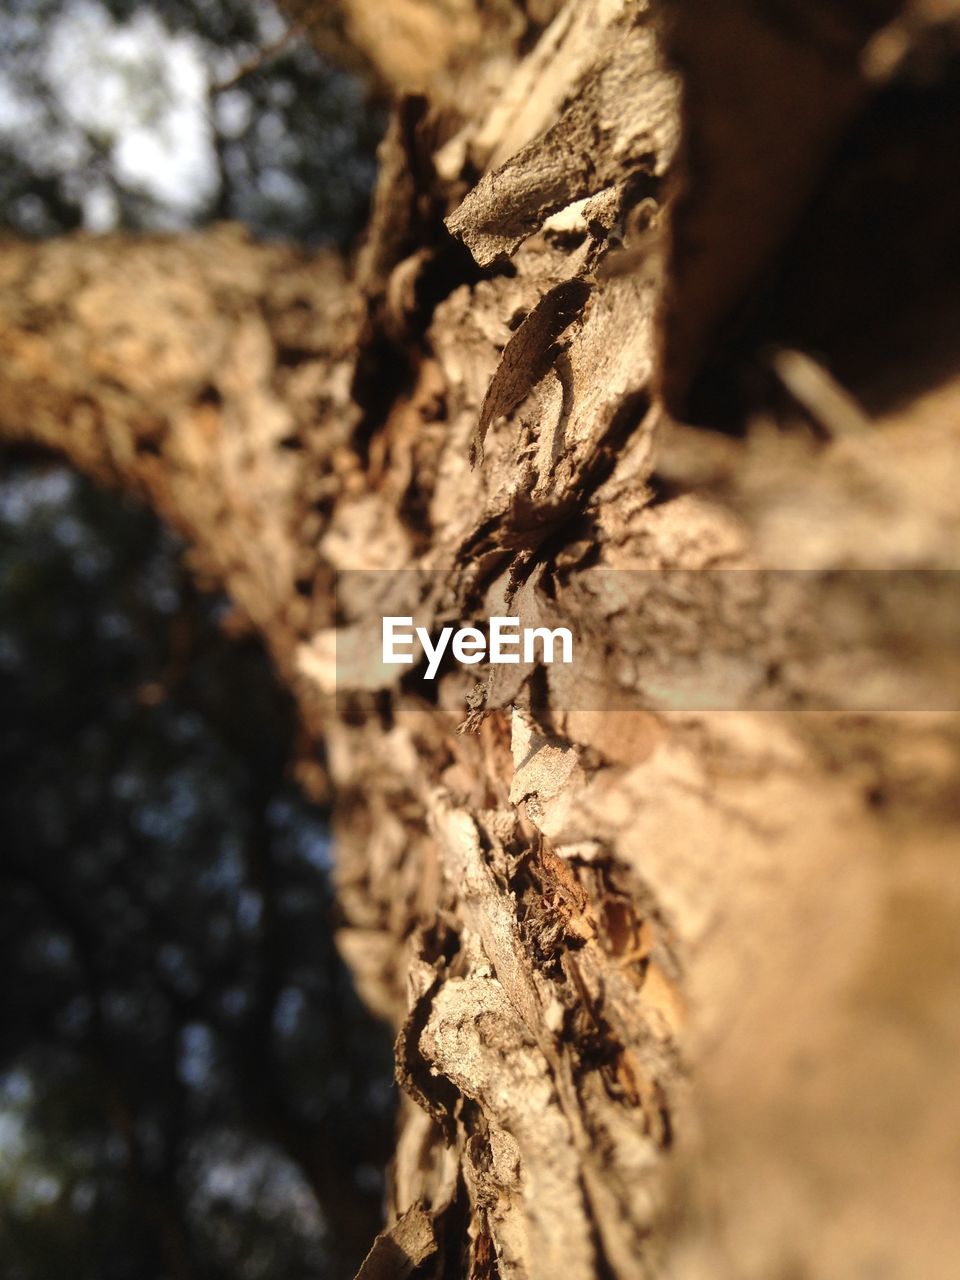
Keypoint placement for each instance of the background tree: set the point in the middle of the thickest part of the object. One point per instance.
(190, 1087)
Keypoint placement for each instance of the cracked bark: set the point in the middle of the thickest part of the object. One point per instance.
(674, 991)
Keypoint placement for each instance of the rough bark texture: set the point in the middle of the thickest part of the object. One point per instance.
(675, 992)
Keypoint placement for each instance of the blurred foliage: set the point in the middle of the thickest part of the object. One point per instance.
(167, 115)
(188, 1085)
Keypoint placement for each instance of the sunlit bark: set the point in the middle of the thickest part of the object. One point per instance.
(674, 992)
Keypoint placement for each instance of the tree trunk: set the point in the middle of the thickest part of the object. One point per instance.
(673, 977)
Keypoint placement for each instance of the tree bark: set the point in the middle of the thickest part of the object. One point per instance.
(674, 990)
